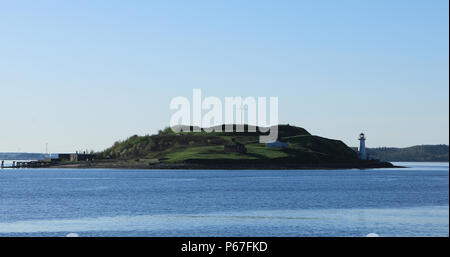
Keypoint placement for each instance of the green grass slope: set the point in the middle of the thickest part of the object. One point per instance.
(203, 147)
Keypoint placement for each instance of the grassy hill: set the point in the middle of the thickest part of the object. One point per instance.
(204, 148)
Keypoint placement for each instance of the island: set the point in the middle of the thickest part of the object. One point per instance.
(295, 148)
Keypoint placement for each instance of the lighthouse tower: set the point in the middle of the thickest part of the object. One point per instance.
(362, 147)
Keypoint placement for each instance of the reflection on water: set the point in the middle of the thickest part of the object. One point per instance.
(426, 221)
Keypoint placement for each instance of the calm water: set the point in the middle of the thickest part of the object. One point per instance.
(389, 202)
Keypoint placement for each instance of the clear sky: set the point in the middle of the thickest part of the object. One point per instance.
(83, 74)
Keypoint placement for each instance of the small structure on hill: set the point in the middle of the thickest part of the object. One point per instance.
(75, 157)
(277, 144)
(236, 147)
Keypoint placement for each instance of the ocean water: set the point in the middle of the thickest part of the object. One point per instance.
(389, 202)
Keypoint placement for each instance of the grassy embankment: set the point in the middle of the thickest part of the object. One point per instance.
(204, 148)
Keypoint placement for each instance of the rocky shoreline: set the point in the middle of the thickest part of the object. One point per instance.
(224, 166)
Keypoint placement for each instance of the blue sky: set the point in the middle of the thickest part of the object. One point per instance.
(83, 74)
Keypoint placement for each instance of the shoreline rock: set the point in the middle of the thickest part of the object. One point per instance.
(224, 166)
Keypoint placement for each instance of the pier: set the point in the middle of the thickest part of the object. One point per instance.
(62, 157)
(26, 164)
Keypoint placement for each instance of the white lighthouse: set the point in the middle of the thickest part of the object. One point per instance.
(362, 147)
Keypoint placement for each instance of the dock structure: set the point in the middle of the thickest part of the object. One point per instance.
(27, 164)
(62, 157)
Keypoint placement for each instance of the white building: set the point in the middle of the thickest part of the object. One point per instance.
(362, 147)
